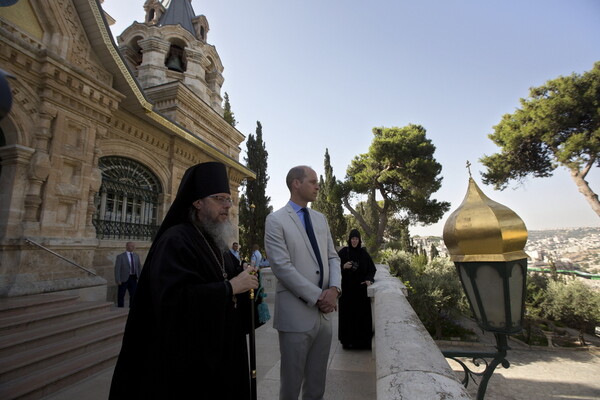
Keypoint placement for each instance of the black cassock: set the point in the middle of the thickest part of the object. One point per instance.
(355, 326)
(184, 336)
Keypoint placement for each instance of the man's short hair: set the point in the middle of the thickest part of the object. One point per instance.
(298, 172)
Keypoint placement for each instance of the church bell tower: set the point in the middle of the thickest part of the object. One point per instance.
(171, 58)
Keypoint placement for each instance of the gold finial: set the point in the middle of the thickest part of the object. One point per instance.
(469, 168)
(481, 229)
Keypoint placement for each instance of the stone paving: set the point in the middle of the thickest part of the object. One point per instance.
(540, 373)
(534, 373)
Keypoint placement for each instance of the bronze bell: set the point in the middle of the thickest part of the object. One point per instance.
(174, 63)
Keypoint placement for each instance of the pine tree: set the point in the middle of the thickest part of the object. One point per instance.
(227, 113)
(329, 202)
(254, 204)
(400, 170)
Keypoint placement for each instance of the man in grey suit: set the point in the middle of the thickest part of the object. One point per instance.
(127, 272)
(307, 267)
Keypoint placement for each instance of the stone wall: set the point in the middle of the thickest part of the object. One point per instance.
(409, 365)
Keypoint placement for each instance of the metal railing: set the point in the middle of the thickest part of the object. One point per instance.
(59, 256)
(123, 230)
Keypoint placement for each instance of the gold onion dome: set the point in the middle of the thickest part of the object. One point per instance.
(482, 230)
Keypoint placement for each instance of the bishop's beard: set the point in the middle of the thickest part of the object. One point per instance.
(220, 232)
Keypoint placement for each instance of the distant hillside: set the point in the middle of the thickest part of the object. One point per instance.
(563, 233)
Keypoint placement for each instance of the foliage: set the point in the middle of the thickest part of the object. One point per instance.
(557, 125)
(535, 297)
(254, 204)
(400, 170)
(398, 235)
(399, 262)
(227, 113)
(435, 291)
(574, 303)
(330, 204)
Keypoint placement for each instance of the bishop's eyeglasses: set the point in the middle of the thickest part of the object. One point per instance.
(226, 201)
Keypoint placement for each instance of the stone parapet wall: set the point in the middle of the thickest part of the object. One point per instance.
(409, 365)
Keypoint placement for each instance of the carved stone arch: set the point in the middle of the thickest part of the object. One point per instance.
(133, 51)
(154, 11)
(21, 121)
(168, 32)
(201, 27)
(213, 56)
(128, 149)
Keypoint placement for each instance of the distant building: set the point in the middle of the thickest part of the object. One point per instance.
(100, 135)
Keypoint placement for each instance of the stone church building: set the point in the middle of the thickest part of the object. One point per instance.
(99, 136)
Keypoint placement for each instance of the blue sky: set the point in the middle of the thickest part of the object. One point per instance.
(322, 74)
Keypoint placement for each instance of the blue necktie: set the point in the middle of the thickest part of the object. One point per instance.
(313, 242)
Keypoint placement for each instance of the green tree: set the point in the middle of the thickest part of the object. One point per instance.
(254, 203)
(401, 171)
(397, 235)
(574, 303)
(557, 125)
(227, 113)
(329, 202)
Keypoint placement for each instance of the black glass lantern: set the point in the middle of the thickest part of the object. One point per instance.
(495, 291)
(486, 240)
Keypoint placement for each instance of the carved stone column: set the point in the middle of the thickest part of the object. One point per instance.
(215, 97)
(39, 168)
(194, 73)
(152, 70)
(95, 180)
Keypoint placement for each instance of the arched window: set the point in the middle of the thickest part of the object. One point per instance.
(127, 202)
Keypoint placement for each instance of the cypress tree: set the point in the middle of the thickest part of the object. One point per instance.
(254, 203)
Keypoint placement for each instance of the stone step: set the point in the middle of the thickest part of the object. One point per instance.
(25, 362)
(41, 383)
(18, 305)
(57, 330)
(37, 316)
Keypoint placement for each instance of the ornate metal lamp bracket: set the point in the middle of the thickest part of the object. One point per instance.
(478, 358)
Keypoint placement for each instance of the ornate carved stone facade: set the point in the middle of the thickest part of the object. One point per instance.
(99, 137)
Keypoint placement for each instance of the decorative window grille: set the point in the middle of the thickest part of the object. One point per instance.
(127, 202)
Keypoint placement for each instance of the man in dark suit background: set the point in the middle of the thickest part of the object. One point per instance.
(304, 260)
(127, 272)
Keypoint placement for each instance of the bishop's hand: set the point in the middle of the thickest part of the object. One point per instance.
(244, 281)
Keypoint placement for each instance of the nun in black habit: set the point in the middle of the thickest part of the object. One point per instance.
(185, 335)
(355, 328)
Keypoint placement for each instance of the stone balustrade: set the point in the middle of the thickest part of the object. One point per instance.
(409, 365)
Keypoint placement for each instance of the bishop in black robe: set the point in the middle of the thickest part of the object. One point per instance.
(184, 336)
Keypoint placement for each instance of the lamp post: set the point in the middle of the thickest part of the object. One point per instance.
(485, 240)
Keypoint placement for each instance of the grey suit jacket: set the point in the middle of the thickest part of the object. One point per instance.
(122, 267)
(295, 265)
